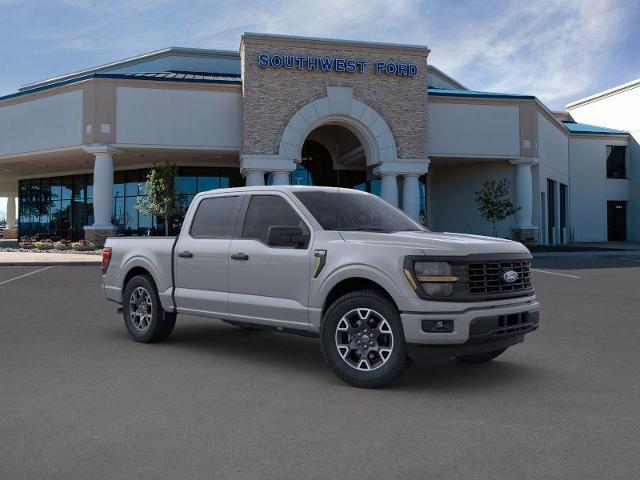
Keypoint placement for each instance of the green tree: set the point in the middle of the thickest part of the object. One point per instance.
(160, 199)
(494, 202)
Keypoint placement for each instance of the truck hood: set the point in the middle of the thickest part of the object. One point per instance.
(451, 244)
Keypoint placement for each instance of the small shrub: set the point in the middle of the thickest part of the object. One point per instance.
(62, 245)
(83, 245)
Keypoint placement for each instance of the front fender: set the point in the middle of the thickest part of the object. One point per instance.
(347, 272)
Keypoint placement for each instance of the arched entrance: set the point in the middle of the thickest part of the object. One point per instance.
(332, 155)
(340, 140)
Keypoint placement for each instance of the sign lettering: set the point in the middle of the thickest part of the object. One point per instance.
(332, 64)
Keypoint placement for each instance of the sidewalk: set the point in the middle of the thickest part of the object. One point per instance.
(635, 254)
(610, 249)
(37, 259)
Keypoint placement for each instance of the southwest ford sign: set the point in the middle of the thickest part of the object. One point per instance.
(333, 64)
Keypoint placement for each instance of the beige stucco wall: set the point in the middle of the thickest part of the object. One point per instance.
(50, 122)
(272, 96)
(590, 189)
(452, 196)
(178, 117)
(460, 129)
(619, 110)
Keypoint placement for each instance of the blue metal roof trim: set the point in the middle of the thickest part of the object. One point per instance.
(585, 128)
(227, 79)
(444, 92)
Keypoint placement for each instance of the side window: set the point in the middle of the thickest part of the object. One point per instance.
(616, 167)
(269, 210)
(215, 217)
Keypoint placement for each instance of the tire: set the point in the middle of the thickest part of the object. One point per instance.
(364, 316)
(144, 317)
(481, 357)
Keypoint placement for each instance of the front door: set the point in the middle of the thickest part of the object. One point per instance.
(617, 221)
(269, 285)
(202, 257)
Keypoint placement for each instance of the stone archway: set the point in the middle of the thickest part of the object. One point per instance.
(339, 107)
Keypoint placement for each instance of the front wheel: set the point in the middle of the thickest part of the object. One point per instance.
(363, 340)
(144, 317)
(481, 357)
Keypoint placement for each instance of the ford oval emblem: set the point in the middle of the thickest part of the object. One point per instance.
(509, 276)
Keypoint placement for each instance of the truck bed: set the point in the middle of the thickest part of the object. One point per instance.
(154, 254)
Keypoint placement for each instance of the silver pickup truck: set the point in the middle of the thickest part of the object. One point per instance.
(340, 264)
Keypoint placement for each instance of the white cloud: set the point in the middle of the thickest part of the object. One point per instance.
(547, 48)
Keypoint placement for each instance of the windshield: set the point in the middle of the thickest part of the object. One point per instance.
(355, 212)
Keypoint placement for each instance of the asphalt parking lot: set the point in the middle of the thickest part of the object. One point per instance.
(78, 399)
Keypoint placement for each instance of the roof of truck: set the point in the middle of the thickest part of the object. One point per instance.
(298, 188)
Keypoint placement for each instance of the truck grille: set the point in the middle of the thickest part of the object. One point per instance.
(483, 278)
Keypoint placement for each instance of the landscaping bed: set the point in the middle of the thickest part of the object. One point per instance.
(39, 245)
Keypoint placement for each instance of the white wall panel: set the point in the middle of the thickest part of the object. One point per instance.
(43, 124)
(463, 129)
(590, 189)
(190, 118)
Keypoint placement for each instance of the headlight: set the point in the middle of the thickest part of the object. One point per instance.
(435, 278)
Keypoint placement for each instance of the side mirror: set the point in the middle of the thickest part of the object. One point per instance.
(287, 237)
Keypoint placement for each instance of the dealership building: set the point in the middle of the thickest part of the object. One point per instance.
(75, 149)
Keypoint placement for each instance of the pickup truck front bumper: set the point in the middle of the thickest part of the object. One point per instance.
(470, 328)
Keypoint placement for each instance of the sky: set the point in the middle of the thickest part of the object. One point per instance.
(557, 50)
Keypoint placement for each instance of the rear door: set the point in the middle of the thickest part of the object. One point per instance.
(267, 284)
(202, 256)
(617, 221)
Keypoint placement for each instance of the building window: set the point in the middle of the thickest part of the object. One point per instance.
(59, 207)
(616, 161)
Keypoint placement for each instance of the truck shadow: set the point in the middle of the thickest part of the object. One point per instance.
(455, 376)
(251, 346)
(293, 353)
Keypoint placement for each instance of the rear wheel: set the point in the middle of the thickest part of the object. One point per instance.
(363, 341)
(144, 317)
(481, 357)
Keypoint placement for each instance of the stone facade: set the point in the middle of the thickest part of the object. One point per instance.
(98, 235)
(525, 235)
(272, 96)
(9, 233)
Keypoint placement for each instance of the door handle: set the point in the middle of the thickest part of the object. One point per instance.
(240, 256)
(185, 255)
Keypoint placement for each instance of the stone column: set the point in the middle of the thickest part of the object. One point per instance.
(254, 165)
(280, 178)
(389, 188)
(524, 231)
(410, 170)
(254, 178)
(411, 196)
(11, 232)
(102, 195)
(11, 212)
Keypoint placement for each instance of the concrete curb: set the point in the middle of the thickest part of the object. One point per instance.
(594, 254)
(50, 264)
